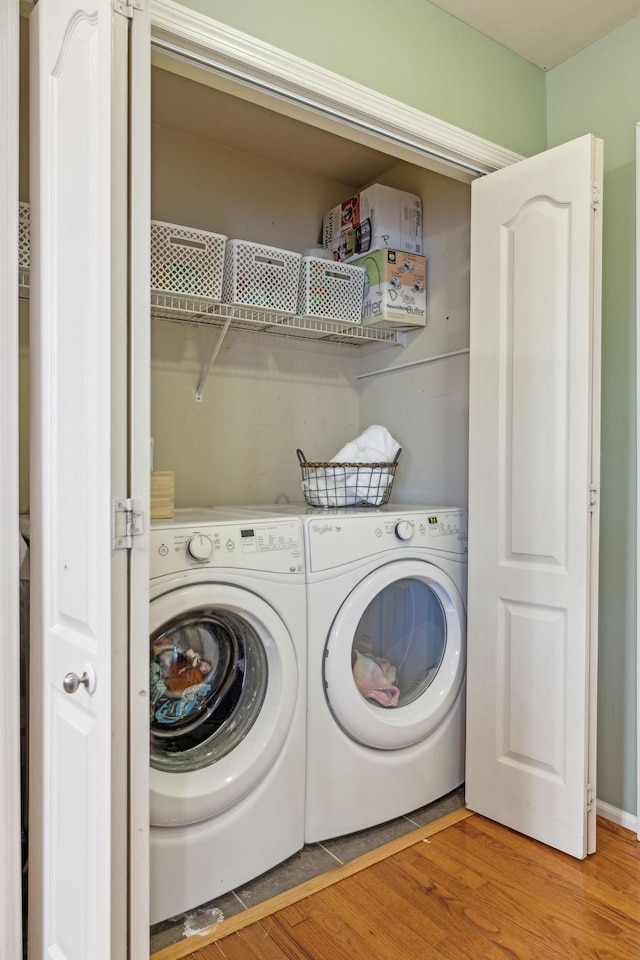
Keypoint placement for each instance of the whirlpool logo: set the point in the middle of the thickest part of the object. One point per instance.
(323, 528)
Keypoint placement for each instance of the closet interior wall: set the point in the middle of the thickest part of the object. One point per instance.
(223, 164)
(426, 405)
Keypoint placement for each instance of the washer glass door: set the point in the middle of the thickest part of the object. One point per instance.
(224, 684)
(395, 657)
(208, 677)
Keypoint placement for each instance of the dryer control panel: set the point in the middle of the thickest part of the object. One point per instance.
(338, 539)
(269, 546)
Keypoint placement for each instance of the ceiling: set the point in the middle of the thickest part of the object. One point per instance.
(546, 32)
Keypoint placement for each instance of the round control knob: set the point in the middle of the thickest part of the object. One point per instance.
(404, 530)
(199, 547)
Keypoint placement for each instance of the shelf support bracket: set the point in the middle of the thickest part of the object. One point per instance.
(212, 359)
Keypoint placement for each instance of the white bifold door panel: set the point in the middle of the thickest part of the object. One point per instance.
(79, 461)
(10, 806)
(533, 495)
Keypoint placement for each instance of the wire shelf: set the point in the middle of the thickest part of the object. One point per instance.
(180, 308)
(188, 308)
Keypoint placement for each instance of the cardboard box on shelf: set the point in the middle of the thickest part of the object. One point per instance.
(375, 218)
(162, 494)
(395, 295)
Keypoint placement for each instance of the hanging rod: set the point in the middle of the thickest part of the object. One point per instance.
(412, 363)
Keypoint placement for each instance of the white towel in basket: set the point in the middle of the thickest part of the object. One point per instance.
(374, 445)
(351, 486)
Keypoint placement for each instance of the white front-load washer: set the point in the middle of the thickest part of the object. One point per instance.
(386, 634)
(227, 702)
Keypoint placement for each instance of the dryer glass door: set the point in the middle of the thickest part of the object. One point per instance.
(395, 656)
(399, 643)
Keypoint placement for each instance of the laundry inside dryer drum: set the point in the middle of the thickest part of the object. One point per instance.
(208, 679)
(399, 643)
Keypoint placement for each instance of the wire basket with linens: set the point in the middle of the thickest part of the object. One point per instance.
(360, 475)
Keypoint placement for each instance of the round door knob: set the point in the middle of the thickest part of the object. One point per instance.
(404, 530)
(199, 547)
(72, 681)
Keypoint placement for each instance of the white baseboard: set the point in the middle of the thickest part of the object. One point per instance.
(621, 817)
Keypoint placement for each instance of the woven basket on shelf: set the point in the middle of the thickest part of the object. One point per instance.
(331, 484)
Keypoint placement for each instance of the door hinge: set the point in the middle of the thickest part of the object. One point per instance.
(593, 497)
(126, 7)
(596, 195)
(588, 798)
(127, 523)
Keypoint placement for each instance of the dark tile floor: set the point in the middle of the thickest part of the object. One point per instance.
(313, 860)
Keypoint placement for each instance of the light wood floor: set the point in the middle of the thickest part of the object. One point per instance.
(474, 890)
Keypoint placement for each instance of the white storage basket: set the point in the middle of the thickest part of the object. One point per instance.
(330, 290)
(24, 235)
(261, 276)
(24, 250)
(186, 261)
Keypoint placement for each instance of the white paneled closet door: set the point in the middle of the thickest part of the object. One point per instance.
(10, 865)
(82, 613)
(533, 495)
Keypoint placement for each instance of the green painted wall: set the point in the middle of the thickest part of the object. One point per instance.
(411, 51)
(598, 91)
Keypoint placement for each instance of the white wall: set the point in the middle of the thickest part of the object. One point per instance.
(263, 399)
(426, 407)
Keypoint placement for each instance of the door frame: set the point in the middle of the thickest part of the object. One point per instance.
(139, 471)
(10, 807)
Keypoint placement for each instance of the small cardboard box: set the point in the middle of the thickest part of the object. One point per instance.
(162, 494)
(395, 294)
(374, 218)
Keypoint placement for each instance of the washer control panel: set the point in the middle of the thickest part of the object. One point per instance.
(334, 540)
(270, 546)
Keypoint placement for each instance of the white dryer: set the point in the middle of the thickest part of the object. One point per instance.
(227, 702)
(386, 629)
